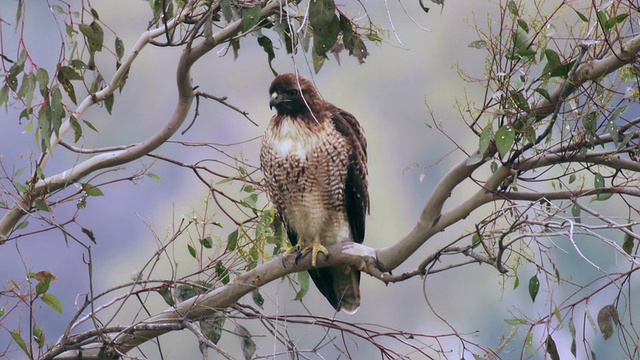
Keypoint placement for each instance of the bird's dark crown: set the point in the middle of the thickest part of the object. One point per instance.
(291, 94)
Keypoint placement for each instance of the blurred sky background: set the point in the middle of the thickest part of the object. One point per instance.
(387, 94)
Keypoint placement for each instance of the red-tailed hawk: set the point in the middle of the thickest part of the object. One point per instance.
(314, 159)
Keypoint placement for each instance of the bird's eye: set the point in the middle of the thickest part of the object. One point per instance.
(292, 92)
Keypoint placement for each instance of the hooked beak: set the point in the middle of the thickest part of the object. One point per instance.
(275, 100)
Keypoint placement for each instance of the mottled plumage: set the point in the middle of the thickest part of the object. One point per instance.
(315, 164)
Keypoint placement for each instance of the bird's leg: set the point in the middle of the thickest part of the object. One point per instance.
(315, 248)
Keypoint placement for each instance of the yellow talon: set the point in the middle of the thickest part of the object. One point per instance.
(292, 250)
(315, 248)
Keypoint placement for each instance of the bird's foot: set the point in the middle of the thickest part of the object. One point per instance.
(315, 248)
(294, 249)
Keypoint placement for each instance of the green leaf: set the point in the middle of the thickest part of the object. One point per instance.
(627, 245)
(44, 122)
(494, 167)
(516, 283)
(478, 44)
(232, 240)
(222, 272)
(513, 9)
(572, 178)
(53, 302)
(607, 317)
(250, 17)
(267, 46)
(544, 93)
(90, 125)
(212, 326)
(612, 127)
(598, 181)
(552, 349)
(583, 18)
(575, 211)
(303, 282)
(474, 159)
(108, 102)
(92, 190)
(38, 335)
(192, 250)
(207, 242)
(43, 286)
(15, 334)
(22, 225)
(326, 26)
(79, 64)
(41, 205)
(68, 73)
(154, 177)
(257, 297)
(94, 36)
(165, 292)
(225, 6)
(534, 286)
(42, 77)
(77, 128)
(505, 138)
(516, 321)
(119, 45)
(529, 343)
(4, 94)
(589, 123)
(485, 137)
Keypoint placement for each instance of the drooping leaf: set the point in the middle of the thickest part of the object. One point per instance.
(598, 181)
(94, 36)
(119, 45)
(15, 335)
(485, 137)
(212, 326)
(225, 7)
(575, 211)
(222, 272)
(232, 240)
(38, 335)
(607, 317)
(627, 245)
(534, 286)
(257, 297)
(303, 282)
(267, 46)
(250, 17)
(192, 251)
(165, 292)
(552, 349)
(247, 344)
(108, 102)
(77, 128)
(326, 26)
(505, 138)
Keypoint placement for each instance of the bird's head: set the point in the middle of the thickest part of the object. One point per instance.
(292, 95)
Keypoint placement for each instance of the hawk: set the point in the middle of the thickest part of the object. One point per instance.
(314, 159)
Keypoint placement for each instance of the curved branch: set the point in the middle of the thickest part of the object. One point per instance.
(115, 158)
(433, 221)
(353, 254)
